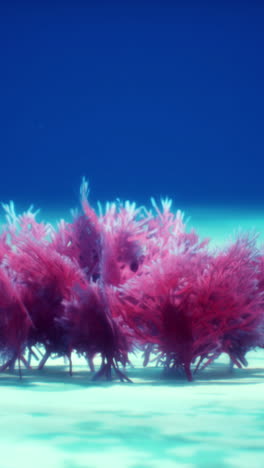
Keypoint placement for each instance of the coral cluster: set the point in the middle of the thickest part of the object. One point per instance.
(126, 279)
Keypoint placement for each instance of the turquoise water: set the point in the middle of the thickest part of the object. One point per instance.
(223, 223)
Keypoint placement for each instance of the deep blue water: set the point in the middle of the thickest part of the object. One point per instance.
(143, 98)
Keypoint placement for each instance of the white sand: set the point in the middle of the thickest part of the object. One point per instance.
(52, 419)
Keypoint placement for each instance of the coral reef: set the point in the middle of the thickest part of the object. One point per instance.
(123, 280)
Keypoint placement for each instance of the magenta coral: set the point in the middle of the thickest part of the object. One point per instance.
(125, 279)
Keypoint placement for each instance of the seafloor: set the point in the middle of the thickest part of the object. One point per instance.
(49, 419)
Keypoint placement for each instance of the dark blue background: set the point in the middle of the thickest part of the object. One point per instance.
(144, 98)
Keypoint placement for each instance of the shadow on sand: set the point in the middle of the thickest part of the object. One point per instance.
(58, 375)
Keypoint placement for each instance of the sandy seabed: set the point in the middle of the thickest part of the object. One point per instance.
(49, 419)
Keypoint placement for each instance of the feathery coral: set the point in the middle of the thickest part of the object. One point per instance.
(125, 279)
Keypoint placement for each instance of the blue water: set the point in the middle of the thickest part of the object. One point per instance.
(143, 99)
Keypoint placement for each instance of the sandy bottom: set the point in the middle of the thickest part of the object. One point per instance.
(49, 419)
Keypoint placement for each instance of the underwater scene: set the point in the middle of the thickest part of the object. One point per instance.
(131, 234)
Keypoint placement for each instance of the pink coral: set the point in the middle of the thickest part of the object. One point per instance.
(124, 279)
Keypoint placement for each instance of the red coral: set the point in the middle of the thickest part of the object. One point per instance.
(46, 278)
(14, 322)
(123, 279)
(93, 330)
